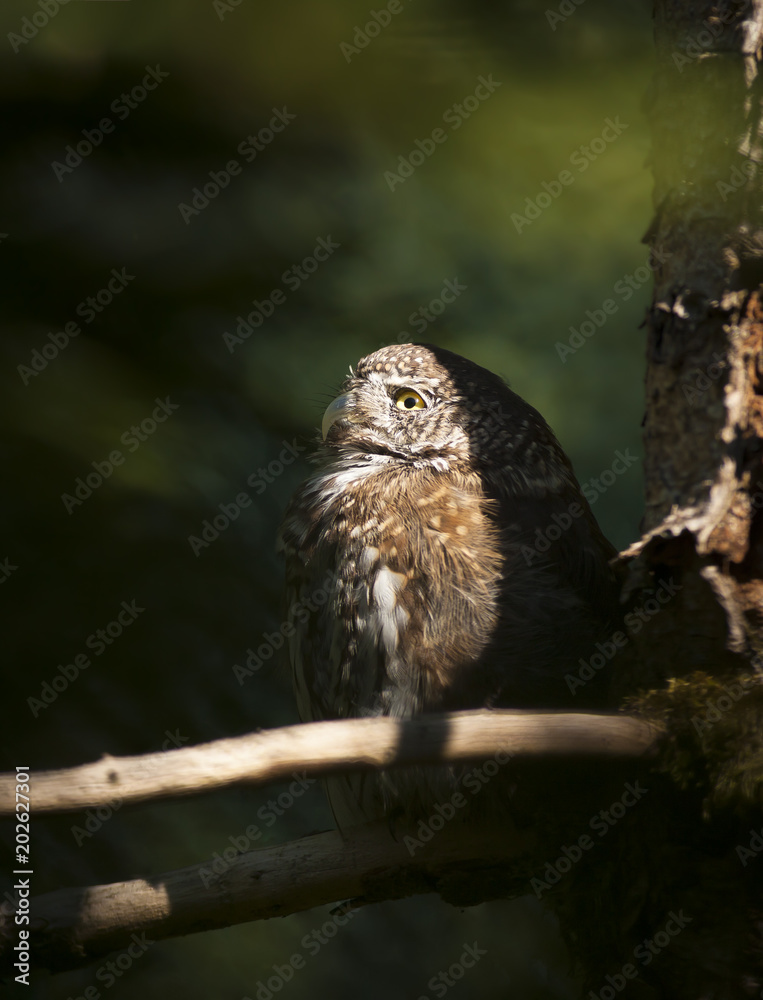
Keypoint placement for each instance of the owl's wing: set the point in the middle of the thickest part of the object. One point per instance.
(559, 597)
(330, 681)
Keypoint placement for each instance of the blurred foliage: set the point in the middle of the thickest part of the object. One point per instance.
(170, 672)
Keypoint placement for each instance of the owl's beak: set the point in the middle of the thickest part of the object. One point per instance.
(339, 409)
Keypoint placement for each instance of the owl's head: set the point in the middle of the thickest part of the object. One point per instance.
(421, 405)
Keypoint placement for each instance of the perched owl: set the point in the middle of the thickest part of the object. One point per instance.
(441, 557)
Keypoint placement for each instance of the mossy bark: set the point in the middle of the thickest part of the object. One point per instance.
(697, 666)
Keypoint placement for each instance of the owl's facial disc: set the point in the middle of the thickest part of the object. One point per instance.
(348, 408)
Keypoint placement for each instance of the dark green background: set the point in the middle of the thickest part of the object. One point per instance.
(171, 671)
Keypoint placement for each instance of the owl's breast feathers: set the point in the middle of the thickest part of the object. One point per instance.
(421, 596)
(402, 552)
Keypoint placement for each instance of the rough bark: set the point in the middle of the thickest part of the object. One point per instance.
(704, 412)
(703, 438)
(72, 927)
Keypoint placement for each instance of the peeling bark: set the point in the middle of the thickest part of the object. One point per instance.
(703, 426)
(703, 438)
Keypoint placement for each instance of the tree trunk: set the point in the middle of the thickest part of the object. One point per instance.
(681, 898)
(704, 413)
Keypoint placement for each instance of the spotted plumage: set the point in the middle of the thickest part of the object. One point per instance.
(416, 542)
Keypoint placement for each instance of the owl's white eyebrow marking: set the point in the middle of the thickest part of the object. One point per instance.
(408, 380)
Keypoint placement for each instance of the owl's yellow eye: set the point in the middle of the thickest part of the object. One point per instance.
(407, 399)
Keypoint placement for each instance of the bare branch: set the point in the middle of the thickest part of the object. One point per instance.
(323, 747)
(72, 927)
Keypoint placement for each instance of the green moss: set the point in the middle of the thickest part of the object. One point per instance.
(714, 737)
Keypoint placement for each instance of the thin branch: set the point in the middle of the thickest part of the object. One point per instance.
(322, 747)
(71, 927)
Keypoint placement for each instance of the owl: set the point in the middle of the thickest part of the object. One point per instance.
(440, 557)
